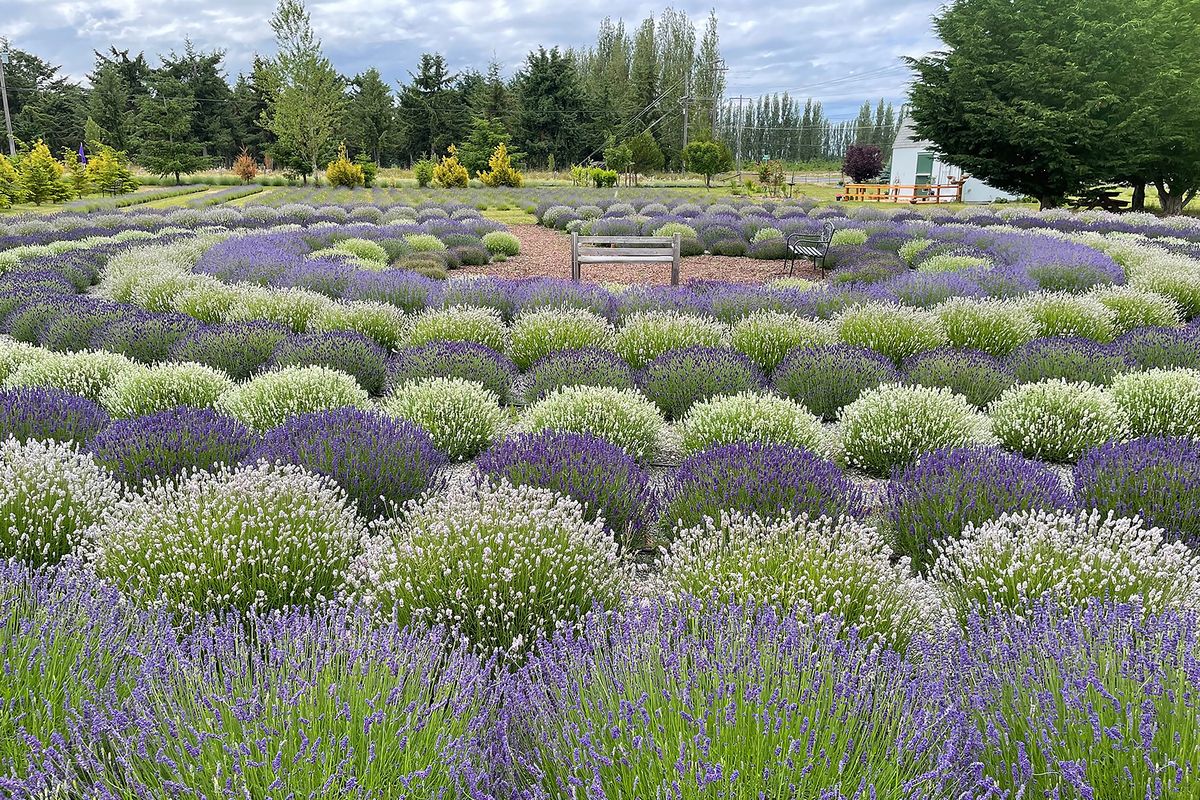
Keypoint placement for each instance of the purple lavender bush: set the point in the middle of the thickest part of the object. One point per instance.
(345, 351)
(974, 374)
(450, 359)
(1157, 479)
(72, 328)
(49, 414)
(606, 480)
(679, 378)
(585, 366)
(827, 377)
(168, 443)
(734, 701)
(1096, 701)
(1166, 348)
(936, 497)
(239, 348)
(772, 481)
(380, 462)
(402, 288)
(1071, 358)
(146, 337)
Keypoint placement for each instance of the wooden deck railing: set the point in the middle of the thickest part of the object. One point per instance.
(899, 193)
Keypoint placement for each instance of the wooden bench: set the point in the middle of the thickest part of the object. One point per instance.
(811, 246)
(624, 250)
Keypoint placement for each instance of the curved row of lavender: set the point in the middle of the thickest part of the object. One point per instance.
(674, 699)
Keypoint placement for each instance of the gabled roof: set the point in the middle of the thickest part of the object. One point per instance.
(906, 136)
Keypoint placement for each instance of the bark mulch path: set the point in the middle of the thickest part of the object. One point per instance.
(547, 253)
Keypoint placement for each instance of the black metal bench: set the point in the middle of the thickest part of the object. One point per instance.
(812, 247)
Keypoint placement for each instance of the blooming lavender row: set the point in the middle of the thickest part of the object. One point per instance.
(677, 698)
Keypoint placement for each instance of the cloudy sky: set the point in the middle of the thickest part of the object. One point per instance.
(840, 51)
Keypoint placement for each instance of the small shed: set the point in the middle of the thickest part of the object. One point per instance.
(916, 162)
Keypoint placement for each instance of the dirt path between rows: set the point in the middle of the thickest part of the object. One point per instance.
(547, 253)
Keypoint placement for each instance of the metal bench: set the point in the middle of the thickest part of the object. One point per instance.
(624, 250)
(813, 247)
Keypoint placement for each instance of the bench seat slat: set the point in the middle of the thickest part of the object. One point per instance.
(633, 240)
(624, 251)
(667, 259)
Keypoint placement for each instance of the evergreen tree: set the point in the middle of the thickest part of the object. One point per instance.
(164, 128)
(431, 114)
(475, 152)
(202, 77)
(370, 114)
(107, 105)
(41, 176)
(551, 115)
(249, 105)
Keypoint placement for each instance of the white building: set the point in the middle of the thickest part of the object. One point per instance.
(917, 163)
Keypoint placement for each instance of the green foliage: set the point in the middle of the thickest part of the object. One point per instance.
(1056, 420)
(536, 333)
(478, 148)
(110, 172)
(645, 154)
(163, 131)
(707, 158)
(12, 191)
(76, 173)
(623, 417)
(462, 417)
(423, 170)
(603, 178)
(342, 171)
(501, 243)
(500, 169)
(269, 399)
(369, 168)
(449, 173)
(751, 417)
(41, 176)
(617, 157)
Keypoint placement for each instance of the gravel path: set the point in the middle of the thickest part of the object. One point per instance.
(547, 253)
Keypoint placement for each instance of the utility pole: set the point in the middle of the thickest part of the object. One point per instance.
(740, 100)
(685, 101)
(12, 145)
(721, 69)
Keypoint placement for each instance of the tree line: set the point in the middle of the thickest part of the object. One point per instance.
(778, 126)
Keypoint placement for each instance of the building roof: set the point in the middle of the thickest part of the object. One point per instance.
(906, 136)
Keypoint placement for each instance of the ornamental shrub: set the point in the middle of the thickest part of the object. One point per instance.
(502, 243)
(1068, 358)
(49, 415)
(423, 171)
(588, 366)
(294, 308)
(648, 334)
(605, 480)
(1137, 308)
(1149, 348)
(439, 565)
(893, 425)
(997, 327)
(145, 390)
(840, 568)
(540, 332)
(1154, 478)
(750, 417)
(50, 493)
(425, 243)
(1160, 402)
(449, 173)
(680, 378)
(1056, 420)
(950, 262)
(145, 339)
(344, 172)
(825, 378)
(936, 497)
(269, 399)
(461, 416)
(86, 374)
(166, 444)
(684, 230)
(1061, 314)
(265, 537)
(385, 324)
(897, 332)
(462, 324)
(1064, 557)
(380, 463)
(361, 248)
(766, 336)
(620, 416)
(971, 373)
(351, 353)
(772, 481)
(239, 349)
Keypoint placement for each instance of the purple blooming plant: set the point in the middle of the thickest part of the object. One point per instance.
(346, 351)
(380, 462)
(73, 327)
(1155, 478)
(484, 291)
(36, 281)
(1071, 358)
(684, 299)
(168, 443)
(928, 289)
(327, 276)
(144, 337)
(825, 378)
(452, 359)
(239, 348)
(27, 318)
(534, 293)
(1168, 348)
(605, 479)
(936, 497)
(1095, 701)
(49, 414)
(698, 699)
(585, 366)
(772, 481)
(400, 287)
(975, 375)
(684, 376)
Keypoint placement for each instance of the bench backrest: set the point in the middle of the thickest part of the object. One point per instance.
(823, 237)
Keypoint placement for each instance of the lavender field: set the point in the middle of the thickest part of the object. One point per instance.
(291, 507)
